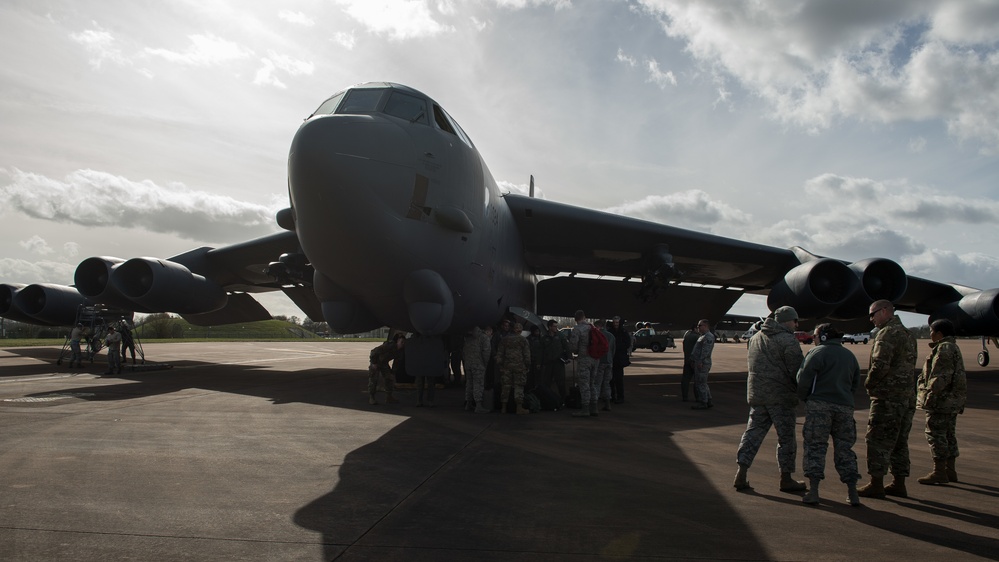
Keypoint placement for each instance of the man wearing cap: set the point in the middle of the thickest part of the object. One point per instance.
(772, 392)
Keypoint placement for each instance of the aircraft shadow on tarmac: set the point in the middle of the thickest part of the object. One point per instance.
(447, 483)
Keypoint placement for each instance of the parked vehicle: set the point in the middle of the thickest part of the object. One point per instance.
(803, 337)
(857, 338)
(656, 341)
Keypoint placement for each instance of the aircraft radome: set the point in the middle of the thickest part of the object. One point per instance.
(395, 220)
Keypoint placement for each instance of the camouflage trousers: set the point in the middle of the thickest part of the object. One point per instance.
(822, 420)
(888, 437)
(603, 383)
(475, 382)
(941, 434)
(701, 390)
(514, 380)
(783, 419)
(586, 377)
(374, 373)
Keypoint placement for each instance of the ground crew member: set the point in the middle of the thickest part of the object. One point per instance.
(700, 359)
(513, 361)
(891, 384)
(942, 390)
(475, 356)
(380, 358)
(113, 342)
(771, 391)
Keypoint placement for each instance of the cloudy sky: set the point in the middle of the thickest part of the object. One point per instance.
(852, 128)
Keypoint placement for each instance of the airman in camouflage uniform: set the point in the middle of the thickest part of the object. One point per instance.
(827, 380)
(891, 385)
(475, 355)
(605, 371)
(942, 391)
(513, 360)
(586, 366)
(771, 390)
(380, 358)
(700, 358)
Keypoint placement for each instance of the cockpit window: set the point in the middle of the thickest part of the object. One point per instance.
(329, 106)
(447, 123)
(361, 100)
(405, 106)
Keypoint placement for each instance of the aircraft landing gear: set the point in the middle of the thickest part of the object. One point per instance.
(983, 355)
(983, 358)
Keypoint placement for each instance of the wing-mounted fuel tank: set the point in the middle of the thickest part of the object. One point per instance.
(975, 314)
(166, 286)
(46, 303)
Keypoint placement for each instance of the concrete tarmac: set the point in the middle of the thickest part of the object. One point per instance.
(270, 451)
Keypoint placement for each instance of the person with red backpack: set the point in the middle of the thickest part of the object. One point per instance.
(586, 363)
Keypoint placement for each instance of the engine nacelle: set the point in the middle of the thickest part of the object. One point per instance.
(47, 303)
(879, 278)
(974, 315)
(8, 309)
(166, 286)
(814, 288)
(93, 280)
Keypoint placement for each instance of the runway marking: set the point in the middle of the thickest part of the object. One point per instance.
(47, 377)
(51, 397)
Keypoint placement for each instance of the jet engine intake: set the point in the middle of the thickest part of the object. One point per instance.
(974, 315)
(879, 278)
(47, 303)
(814, 288)
(93, 280)
(166, 286)
(8, 291)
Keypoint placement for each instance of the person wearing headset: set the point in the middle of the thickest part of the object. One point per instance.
(827, 380)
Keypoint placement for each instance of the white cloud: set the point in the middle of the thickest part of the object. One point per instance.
(36, 244)
(204, 50)
(101, 45)
(816, 62)
(297, 18)
(91, 198)
(344, 39)
(36, 272)
(693, 209)
(398, 19)
(657, 76)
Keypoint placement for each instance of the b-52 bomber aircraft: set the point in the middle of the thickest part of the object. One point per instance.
(395, 220)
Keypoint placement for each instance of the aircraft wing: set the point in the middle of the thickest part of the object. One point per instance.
(678, 276)
(207, 286)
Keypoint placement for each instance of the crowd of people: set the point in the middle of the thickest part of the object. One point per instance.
(503, 367)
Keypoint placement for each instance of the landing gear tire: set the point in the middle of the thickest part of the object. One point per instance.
(983, 358)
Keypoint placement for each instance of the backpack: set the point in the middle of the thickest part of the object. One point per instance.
(598, 345)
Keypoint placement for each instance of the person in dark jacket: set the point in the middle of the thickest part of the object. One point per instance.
(827, 380)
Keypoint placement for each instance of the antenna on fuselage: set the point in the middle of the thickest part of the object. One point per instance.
(531, 192)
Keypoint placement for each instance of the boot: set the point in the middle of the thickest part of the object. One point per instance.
(812, 497)
(521, 409)
(741, 479)
(788, 484)
(481, 408)
(606, 407)
(939, 474)
(951, 471)
(897, 487)
(371, 400)
(469, 405)
(503, 407)
(873, 489)
(700, 406)
(851, 494)
(593, 408)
